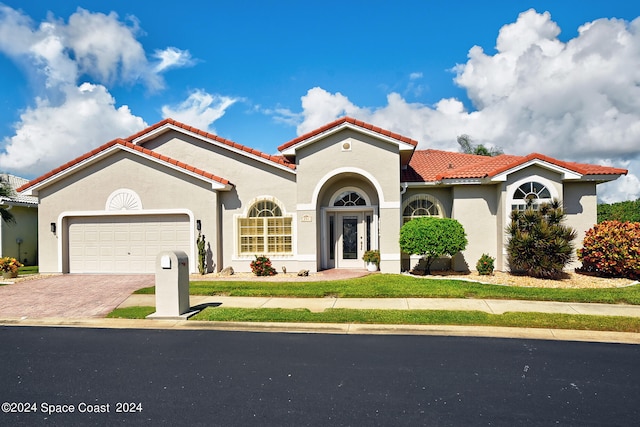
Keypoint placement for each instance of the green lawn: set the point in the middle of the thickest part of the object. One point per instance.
(404, 317)
(402, 286)
(30, 269)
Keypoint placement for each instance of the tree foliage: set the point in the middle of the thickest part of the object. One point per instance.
(6, 192)
(540, 245)
(612, 249)
(432, 238)
(478, 149)
(621, 211)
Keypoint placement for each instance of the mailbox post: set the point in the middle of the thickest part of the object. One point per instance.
(172, 286)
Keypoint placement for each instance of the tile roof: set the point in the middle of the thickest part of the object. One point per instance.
(16, 182)
(352, 121)
(272, 158)
(131, 146)
(436, 165)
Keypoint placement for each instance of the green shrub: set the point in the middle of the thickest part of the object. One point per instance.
(612, 248)
(372, 256)
(484, 266)
(261, 266)
(540, 246)
(432, 238)
(622, 211)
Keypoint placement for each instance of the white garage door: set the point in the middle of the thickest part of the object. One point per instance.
(124, 244)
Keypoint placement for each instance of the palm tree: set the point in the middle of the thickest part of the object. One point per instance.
(6, 192)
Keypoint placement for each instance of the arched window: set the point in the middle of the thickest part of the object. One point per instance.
(530, 195)
(421, 205)
(265, 230)
(350, 198)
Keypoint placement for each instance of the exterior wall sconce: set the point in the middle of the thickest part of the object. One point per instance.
(53, 227)
(198, 225)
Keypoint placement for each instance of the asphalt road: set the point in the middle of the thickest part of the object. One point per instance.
(74, 376)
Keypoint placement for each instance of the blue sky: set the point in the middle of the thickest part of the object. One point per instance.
(559, 78)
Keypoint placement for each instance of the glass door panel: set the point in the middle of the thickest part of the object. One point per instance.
(350, 237)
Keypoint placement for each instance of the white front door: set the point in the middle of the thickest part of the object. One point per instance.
(351, 240)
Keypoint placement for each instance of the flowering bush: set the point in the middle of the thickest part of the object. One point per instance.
(261, 266)
(612, 248)
(485, 265)
(9, 264)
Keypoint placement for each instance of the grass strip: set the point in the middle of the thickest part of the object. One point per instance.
(405, 317)
(140, 312)
(425, 317)
(401, 286)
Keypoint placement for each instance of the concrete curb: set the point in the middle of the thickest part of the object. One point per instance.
(337, 328)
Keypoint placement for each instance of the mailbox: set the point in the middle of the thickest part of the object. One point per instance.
(172, 286)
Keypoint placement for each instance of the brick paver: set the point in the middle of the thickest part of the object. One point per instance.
(69, 295)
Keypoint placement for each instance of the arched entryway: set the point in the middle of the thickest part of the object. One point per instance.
(349, 225)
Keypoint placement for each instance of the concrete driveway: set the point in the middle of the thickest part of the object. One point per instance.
(69, 295)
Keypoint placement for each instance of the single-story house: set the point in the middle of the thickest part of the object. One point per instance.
(19, 239)
(329, 196)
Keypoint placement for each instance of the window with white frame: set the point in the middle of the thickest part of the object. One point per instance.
(530, 195)
(265, 230)
(350, 198)
(421, 205)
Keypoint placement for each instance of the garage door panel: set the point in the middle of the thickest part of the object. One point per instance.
(124, 244)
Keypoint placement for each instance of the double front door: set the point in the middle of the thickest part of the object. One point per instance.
(349, 238)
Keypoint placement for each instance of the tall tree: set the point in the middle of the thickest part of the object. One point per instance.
(478, 149)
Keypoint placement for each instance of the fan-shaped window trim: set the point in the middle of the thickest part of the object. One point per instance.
(123, 199)
(530, 194)
(350, 198)
(420, 205)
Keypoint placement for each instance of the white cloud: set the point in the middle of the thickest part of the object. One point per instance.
(577, 101)
(172, 57)
(200, 109)
(69, 116)
(49, 136)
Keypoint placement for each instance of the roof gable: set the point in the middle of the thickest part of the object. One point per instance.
(166, 125)
(405, 145)
(32, 187)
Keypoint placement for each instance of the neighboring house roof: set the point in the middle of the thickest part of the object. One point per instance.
(106, 149)
(17, 199)
(437, 165)
(167, 124)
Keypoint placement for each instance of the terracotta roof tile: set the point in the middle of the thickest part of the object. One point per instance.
(353, 121)
(126, 144)
(436, 165)
(272, 158)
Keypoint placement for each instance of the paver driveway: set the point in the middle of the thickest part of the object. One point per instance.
(69, 295)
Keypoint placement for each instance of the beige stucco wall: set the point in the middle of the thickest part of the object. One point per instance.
(475, 207)
(581, 206)
(159, 188)
(25, 228)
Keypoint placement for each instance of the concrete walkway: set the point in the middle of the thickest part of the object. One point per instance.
(321, 304)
